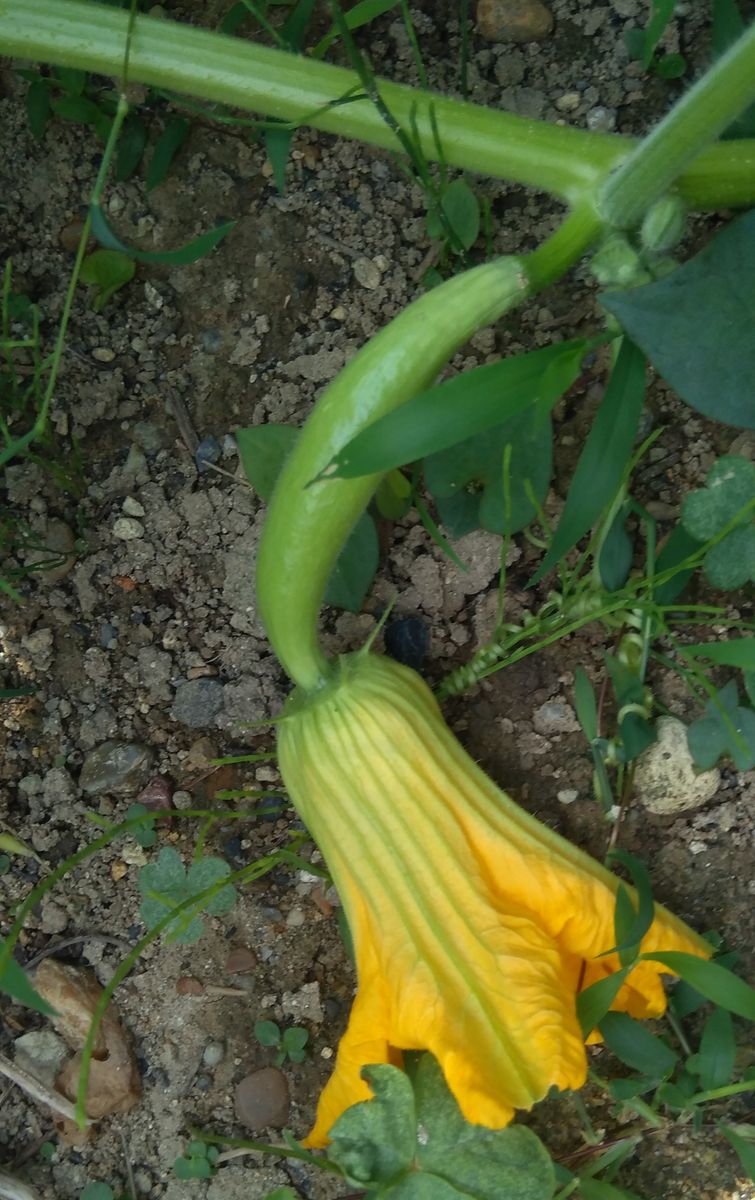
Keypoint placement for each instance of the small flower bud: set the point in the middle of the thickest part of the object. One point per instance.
(664, 224)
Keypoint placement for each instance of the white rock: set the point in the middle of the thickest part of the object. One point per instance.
(665, 780)
(127, 529)
(132, 507)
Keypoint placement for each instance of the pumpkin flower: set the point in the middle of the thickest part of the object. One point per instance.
(474, 926)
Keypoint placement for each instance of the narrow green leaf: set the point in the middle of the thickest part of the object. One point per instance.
(677, 549)
(615, 557)
(637, 1046)
(15, 982)
(131, 145)
(560, 374)
(744, 1147)
(598, 1189)
(633, 932)
(714, 1061)
(607, 451)
(711, 980)
(660, 14)
(38, 108)
(737, 652)
(278, 145)
(166, 148)
(594, 1002)
(462, 211)
(78, 109)
(358, 15)
(355, 568)
(695, 325)
(446, 414)
(585, 704)
(670, 66)
(728, 25)
(189, 253)
(263, 450)
(296, 24)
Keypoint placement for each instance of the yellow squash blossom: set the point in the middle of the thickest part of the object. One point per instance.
(474, 925)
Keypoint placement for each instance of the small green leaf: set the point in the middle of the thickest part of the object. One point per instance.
(97, 1191)
(714, 1062)
(661, 12)
(78, 109)
(585, 704)
(281, 1193)
(71, 79)
(744, 1147)
(731, 562)
(167, 146)
(607, 451)
(630, 925)
(594, 1002)
(726, 729)
(189, 253)
(728, 492)
(361, 13)
(263, 450)
(462, 212)
(636, 1046)
(295, 1039)
(15, 982)
(38, 108)
(108, 271)
(143, 834)
(598, 1189)
(695, 325)
(5, 864)
(670, 66)
(356, 566)
(736, 652)
(393, 497)
(728, 25)
(267, 1033)
(615, 557)
(131, 145)
(711, 980)
(278, 146)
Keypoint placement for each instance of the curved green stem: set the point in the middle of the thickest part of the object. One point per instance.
(565, 161)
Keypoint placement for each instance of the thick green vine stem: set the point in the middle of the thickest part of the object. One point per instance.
(308, 523)
(567, 162)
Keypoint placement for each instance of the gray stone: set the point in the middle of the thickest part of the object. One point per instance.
(58, 787)
(115, 767)
(128, 529)
(554, 717)
(155, 667)
(665, 779)
(262, 1099)
(197, 702)
(213, 1055)
(39, 646)
(41, 1053)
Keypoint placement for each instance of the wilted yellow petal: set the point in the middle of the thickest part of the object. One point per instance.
(474, 925)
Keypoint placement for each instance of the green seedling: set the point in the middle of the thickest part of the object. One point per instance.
(290, 1043)
(282, 1193)
(100, 1191)
(642, 44)
(108, 271)
(145, 833)
(727, 502)
(166, 883)
(197, 1163)
(726, 730)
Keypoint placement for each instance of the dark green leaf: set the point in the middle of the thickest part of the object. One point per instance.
(635, 1085)
(661, 12)
(630, 925)
(263, 450)
(278, 145)
(295, 1039)
(711, 980)
(594, 1002)
(131, 145)
(607, 451)
(267, 1033)
(38, 107)
(695, 325)
(714, 1062)
(108, 271)
(295, 26)
(728, 493)
(143, 834)
(71, 79)
(447, 414)
(727, 27)
(393, 497)
(459, 514)
(615, 557)
(598, 1189)
(558, 377)
(189, 253)
(585, 704)
(359, 14)
(744, 1147)
(78, 109)
(637, 1046)
(737, 652)
(727, 728)
(749, 682)
(167, 146)
(355, 568)
(15, 982)
(671, 66)
(234, 18)
(462, 212)
(96, 1191)
(677, 549)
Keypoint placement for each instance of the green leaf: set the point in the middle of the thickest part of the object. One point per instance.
(661, 12)
(359, 14)
(15, 982)
(166, 148)
(462, 212)
(131, 145)
(393, 497)
(637, 1046)
(295, 1039)
(615, 557)
(71, 79)
(78, 109)
(731, 562)
(281, 1193)
(679, 546)
(447, 414)
(97, 1191)
(714, 1062)
(749, 682)
(267, 1033)
(296, 24)
(189, 253)
(630, 925)
(607, 451)
(670, 66)
(585, 704)
(143, 834)
(737, 652)
(598, 1189)
(594, 1002)
(477, 464)
(263, 450)
(728, 493)
(166, 874)
(743, 1146)
(695, 325)
(38, 108)
(726, 728)
(727, 27)
(356, 566)
(374, 1142)
(711, 980)
(278, 145)
(108, 271)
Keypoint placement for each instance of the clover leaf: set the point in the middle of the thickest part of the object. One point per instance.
(728, 493)
(727, 728)
(412, 1143)
(197, 1163)
(165, 884)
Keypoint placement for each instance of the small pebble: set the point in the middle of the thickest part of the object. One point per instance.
(132, 507)
(213, 1055)
(188, 986)
(513, 20)
(127, 529)
(203, 1083)
(103, 354)
(108, 636)
(208, 451)
(197, 702)
(567, 795)
(569, 102)
(295, 918)
(601, 119)
(367, 273)
(240, 961)
(228, 446)
(157, 795)
(262, 1099)
(114, 767)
